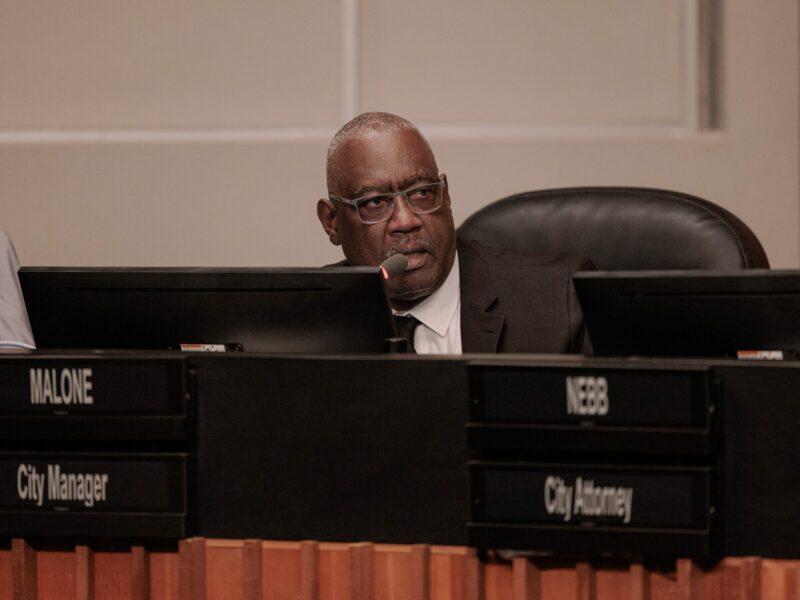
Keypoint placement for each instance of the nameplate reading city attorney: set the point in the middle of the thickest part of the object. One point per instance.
(579, 495)
(75, 387)
(585, 499)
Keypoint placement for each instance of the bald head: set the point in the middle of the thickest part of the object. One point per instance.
(363, 126)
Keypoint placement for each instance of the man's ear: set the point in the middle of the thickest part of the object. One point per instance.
(326, 212)
(446, 190)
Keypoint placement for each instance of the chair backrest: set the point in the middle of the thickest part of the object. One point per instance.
(620, 228)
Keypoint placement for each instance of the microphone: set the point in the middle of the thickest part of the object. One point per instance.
(394, 265)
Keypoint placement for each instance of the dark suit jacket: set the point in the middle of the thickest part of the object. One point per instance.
(518, 302)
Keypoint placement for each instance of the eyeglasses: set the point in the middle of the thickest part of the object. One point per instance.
(377, 208)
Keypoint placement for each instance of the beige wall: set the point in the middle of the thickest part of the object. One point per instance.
(194, 133)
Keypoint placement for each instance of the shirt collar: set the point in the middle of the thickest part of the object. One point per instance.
(436, 311)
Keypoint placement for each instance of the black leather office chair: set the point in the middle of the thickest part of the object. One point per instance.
(620, 228)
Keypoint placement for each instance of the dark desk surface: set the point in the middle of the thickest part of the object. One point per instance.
(374, 448)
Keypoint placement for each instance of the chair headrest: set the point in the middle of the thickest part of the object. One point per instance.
(620, 228)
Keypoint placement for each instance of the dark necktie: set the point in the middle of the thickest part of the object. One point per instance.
(406, 324)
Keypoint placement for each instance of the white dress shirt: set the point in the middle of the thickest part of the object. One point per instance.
(439, 315)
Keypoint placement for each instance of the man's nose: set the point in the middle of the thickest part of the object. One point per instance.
(403, 219)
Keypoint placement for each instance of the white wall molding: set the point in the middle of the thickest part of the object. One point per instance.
(163, 136)
(693, 49)
(440, 131)
(351, 59)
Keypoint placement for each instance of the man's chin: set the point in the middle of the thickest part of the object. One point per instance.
(410, 295)
(407, 291)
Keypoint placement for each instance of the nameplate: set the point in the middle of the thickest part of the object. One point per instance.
(73, 482)
(583, 496)
(80, 387)
(586, 510)
(678, 399)
(93, 496)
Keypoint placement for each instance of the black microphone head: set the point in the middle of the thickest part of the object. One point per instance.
(394, 265)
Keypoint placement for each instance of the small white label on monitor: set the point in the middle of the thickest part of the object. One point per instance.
(203, 348)
(760, 355)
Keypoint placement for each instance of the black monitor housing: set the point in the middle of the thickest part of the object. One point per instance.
(691, 313)
(276, 310)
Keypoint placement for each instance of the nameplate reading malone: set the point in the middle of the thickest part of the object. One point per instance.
(64, 387)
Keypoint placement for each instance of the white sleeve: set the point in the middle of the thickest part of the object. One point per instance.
(15, 330)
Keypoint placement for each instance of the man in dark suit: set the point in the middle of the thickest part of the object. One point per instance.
(386, 196)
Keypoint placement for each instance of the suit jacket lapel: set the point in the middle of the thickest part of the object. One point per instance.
(480, 329)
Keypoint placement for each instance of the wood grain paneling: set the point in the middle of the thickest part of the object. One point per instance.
(192, 569)
(84, 573)
(140, 573)
(254, 569)
(24, 571)
(6, 577)
(164, 575)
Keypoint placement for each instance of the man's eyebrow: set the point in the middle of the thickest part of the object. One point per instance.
(419, 179)
(385, 189)
(364, 190)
